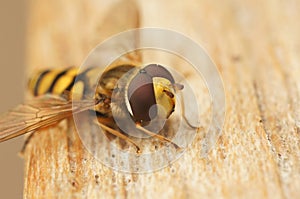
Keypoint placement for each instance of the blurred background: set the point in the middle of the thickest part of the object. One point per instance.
(12, 84)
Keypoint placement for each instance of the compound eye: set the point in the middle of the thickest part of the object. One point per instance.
(141, 97)
(155, 70)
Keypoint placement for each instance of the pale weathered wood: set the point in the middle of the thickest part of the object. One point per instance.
(256, 47)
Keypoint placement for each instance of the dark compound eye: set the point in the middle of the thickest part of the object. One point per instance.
(155, 70)
(141, 97)
(141, 93)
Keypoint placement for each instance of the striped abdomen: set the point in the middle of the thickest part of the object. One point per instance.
(58, 81)
(54, 81)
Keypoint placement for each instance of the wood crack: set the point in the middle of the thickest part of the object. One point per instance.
(263, 120)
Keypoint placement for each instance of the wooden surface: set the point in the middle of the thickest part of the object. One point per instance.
(256, 46)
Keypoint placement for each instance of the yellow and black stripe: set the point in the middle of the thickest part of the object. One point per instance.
(52, 81)
(57, 81)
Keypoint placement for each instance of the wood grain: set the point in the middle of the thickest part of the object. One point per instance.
(256, 46)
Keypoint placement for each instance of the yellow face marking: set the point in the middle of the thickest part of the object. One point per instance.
(162, 91)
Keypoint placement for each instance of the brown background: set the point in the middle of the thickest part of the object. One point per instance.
(12, 83)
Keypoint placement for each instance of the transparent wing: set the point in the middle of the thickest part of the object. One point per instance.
(122, 16)
(41, 112)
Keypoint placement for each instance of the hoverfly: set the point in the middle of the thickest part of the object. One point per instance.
(58, 96)
(145, 87)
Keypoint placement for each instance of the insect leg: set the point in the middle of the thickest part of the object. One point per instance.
(26, 143)
(160, 137)
(120, 135)
(185, 119)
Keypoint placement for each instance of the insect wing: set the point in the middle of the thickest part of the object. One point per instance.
(126, 16)
(39, 113)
